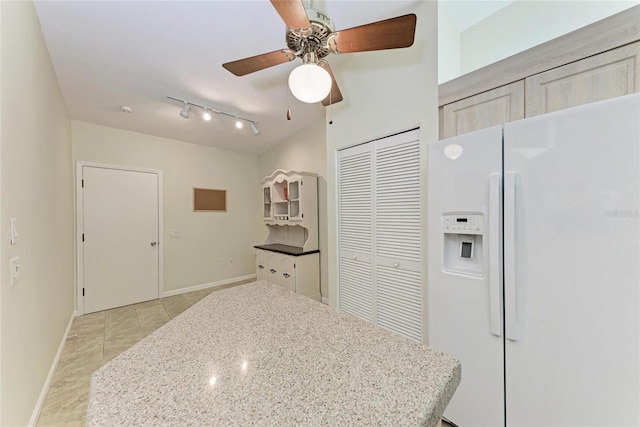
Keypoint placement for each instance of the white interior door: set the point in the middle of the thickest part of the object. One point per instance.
(121, 237)
(573, 309)
(398, 234)
(355, 235)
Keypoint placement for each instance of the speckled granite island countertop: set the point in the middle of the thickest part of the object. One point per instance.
(258, 354)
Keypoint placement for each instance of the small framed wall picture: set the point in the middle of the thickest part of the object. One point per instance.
(209, 200)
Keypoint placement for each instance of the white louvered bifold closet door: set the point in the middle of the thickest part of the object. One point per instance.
(379, 234)
(355, 212)
(397, 236)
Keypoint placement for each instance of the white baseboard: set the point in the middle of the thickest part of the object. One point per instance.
(325, 300)
(45, 387)
(208, 285)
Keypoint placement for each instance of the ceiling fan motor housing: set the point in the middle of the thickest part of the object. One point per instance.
(316, 39)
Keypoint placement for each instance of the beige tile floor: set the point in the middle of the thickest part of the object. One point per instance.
(96, 338)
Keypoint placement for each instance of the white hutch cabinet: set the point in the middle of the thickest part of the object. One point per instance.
(289, 256)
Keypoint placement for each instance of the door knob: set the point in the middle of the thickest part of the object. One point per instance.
(154, 243)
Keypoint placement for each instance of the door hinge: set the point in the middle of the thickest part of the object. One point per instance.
(83, 237)
(294, 265)
(82, 291)
(83, 183)
(302, 215)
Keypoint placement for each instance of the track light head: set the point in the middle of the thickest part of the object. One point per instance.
(254, 128)
(239, 123)
(186, 110)
(206, 115)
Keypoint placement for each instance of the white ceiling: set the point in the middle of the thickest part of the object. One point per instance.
(135, 53)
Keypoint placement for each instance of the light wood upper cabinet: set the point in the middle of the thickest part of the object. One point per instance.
(607, 75)
(490, 108)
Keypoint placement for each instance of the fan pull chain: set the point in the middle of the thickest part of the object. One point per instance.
(288, 104)
(329, 108)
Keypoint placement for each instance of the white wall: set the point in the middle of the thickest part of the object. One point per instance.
(194, 258)
(448, 47)
(307, 152)
(36, 189)
(525, 24)
(385, 92)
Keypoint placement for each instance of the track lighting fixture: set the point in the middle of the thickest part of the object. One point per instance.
(206, 115)
(186, 110)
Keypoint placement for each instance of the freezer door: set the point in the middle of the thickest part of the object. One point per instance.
(464, 270)
(572, 304)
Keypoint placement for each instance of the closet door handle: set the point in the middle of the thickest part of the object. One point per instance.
(272, 270)
(261, 267)
(154, 243)
(286, 275)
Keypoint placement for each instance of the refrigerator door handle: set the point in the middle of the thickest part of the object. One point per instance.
(495, 254)
(511, 318)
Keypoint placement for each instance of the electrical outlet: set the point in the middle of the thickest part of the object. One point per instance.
(14, 270)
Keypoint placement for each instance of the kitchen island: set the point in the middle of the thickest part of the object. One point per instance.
(257, 354)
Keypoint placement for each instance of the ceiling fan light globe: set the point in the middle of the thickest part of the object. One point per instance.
(310, 83)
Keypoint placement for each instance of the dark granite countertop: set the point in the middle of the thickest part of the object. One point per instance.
(285, 249)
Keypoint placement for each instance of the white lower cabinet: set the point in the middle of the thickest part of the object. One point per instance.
(297, 273)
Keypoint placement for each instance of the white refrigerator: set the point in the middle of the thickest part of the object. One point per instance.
(534, 267)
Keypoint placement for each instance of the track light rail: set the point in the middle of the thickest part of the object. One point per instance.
(254, 124)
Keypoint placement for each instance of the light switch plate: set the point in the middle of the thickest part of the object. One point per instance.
(14, 231)
(14, 270)
(174, 234)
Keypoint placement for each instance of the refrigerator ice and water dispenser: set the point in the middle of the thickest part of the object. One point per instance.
(463, 252)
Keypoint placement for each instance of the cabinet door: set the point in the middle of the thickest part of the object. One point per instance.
(266, 200)
(607, 75)
(273, 265)
(287, 273)
(261, 265)
(295, 200)
(494, 107)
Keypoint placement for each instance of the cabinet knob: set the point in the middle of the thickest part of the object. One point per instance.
(354, 257)
(261, 267)
(272, 270)
(396, 264)
(286, 275)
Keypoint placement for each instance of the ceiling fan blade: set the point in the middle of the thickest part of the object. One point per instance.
(292, 13)
(388, 34)
(335, 95)
(252, 64)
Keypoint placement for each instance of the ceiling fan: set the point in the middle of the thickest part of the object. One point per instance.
(311, 36)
